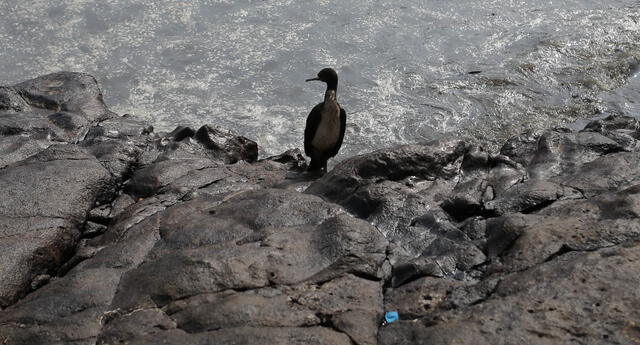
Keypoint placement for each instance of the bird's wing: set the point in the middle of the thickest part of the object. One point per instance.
(343, 126)
(313, 121)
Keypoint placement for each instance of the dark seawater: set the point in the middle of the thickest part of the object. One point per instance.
(404, 65)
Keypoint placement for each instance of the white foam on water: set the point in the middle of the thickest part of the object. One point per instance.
(403, 65)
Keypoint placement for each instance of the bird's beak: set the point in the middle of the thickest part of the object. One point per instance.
(316, 78)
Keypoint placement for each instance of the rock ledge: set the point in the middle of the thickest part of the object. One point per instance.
(115, 234)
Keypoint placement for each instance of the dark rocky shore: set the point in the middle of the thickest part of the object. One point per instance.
(113, 234)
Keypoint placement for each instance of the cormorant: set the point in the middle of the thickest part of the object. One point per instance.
(325, 125)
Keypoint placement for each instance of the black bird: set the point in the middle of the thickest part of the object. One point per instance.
(325, 125)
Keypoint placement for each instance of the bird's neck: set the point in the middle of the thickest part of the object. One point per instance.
(330, 95)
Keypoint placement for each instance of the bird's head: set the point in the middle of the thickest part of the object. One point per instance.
(329, 76)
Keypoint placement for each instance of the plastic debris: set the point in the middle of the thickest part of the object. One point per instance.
(391, 316)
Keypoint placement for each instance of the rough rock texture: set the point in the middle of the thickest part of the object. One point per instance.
(114, 234)
(45, 199)
(535, 245)
(76, 93)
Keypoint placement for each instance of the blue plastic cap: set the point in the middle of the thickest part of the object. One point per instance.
(391, 316)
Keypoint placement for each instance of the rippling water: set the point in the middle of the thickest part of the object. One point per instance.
(404, 64)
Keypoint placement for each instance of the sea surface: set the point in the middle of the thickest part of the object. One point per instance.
(410, 71)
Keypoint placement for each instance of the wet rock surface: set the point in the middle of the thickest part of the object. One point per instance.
(537, 215)
(112, 233)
